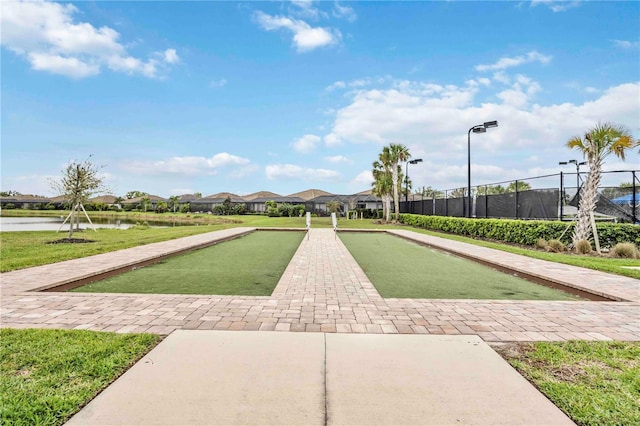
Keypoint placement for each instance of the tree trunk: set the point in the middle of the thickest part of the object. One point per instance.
(587, 202)
(72, 219)
(386, 198)
(394, 179)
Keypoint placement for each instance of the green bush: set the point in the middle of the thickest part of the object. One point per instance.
(583, 247)
(541, 243)
(625, 250)
(556, 246)
(525, 232)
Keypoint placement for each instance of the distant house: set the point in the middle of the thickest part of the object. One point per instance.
(137, 202)
(258, 205)
(208, 203)
(24, 201)
(105, 199)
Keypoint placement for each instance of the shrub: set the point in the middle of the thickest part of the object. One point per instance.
(556, 246)
(625, 250)
(525, 232)
(541, 243)
(583, 247)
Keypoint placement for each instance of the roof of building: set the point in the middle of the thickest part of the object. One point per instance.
(309, 194)
(107, 199)
(152, 198)
(278, 199)
(224, 195)
(261, 194)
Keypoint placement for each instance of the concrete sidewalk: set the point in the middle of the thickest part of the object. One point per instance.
(222, 377)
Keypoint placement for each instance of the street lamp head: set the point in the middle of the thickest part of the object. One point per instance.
(479, 129)
(573, 162)
(563, 163)
(416, 161)
(489, 124)
(582, 163)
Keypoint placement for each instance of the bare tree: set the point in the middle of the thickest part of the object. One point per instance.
(79, 181)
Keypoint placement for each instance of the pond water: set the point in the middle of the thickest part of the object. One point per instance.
(52, 223)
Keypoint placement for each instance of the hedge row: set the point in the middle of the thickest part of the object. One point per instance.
(524, 232)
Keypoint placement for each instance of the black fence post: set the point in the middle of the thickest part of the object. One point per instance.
(561, 196)
(486, 201)
(446, 203)
(633, 196)
(516, 199)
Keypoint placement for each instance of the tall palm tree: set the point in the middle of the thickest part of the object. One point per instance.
(382, 185)
(598, 143)
(398, 153)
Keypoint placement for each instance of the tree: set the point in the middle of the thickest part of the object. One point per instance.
(398, 153)
(145, 202)
(382, 183)
(458, 193)
(197, 194)
(522, 186)
(79, 182)
(135, 194)
(493, 190)
(9, 193)
(334, 206)
(596, 144)
(431, 193)
(173, 203)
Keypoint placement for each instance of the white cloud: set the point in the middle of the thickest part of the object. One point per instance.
(305, 37)
(189, 166)
(306, 144)
(433, 121)
(357, 84)
(171, 56)
(339, 159)
(626, 44)
(345, 12)
(305, 9)
(556, 5)
(364, 178)
(332, 140)
(504, 63)
(218, 83)
(46, 35)
(291, 171)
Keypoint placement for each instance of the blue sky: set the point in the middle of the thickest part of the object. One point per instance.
(180, 97)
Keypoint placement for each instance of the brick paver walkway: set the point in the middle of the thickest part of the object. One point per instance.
(322, 289)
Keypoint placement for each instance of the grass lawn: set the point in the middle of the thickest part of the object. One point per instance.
(402, 269)
(249, 266)
(594, 383)
(604, 264)
(48, 375)
(25, 249)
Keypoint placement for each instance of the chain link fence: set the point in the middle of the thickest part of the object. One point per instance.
(547, 197)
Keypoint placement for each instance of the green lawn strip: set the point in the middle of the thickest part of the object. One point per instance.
(594, 383)
(34, 257)
(48, 375)
(402, 269)
(247, 266)
(604, 264)
(25, 249)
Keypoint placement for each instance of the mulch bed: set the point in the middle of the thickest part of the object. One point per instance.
(71, 241)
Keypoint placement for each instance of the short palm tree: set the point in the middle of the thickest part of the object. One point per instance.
(598, 143)
(398, 153)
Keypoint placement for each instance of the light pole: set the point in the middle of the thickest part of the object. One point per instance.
(578, 164)
(480, 128)
(406, 179)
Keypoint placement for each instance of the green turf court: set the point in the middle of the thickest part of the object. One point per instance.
(402, 269)
(247, 266)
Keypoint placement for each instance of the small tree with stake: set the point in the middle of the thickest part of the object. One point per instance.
(79, 182)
